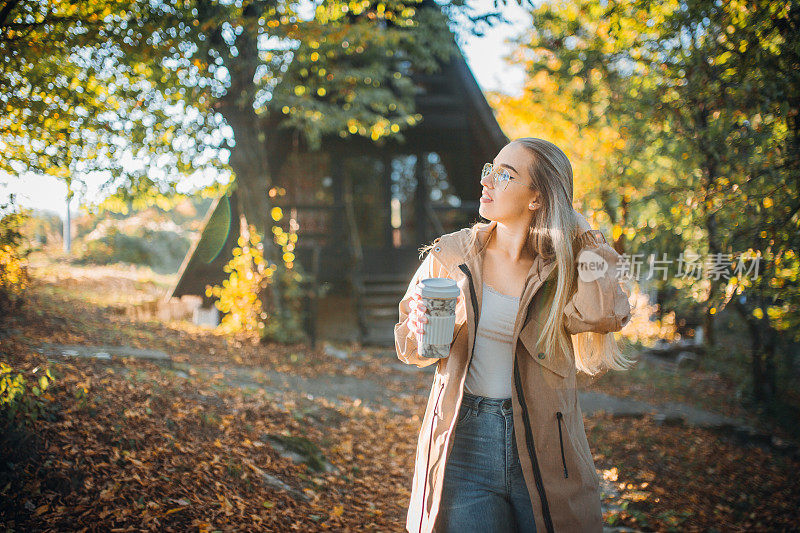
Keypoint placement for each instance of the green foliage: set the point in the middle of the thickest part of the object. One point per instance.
(23, 400)
(156, 237)
(286, 326)
(77, 97)
(346, 78)
(710, 140)
(311, 453)
(42, 227)
(90, 86)
(12, 221)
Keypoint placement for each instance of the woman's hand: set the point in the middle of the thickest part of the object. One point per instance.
(418, 317)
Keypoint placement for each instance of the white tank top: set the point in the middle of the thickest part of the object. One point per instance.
(491, 371)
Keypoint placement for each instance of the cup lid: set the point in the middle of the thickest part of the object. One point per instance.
(439, 288)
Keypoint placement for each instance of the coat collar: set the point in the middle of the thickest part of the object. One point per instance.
(454, 248)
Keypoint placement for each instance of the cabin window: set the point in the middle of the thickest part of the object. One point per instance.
(442, 197)
(404, 200)
(366, 175)
(306, 191)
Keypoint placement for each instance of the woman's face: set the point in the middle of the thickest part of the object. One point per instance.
(509, 205)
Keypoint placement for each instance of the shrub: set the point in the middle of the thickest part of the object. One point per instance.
(13, 258)
(22, 400)
(242, 296)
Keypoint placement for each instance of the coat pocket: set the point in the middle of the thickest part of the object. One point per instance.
(439, 384)
(557, 362)
(464, 413)
(576, 445)
(560, 416)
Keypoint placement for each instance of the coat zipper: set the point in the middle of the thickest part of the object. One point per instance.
(428, 461)
(474, 300)
(548, 521)
(561, 442)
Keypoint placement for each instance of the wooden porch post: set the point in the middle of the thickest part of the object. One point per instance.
(420, 209)
(387, 198)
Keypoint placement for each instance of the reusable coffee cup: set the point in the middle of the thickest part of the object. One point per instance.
(439, 295)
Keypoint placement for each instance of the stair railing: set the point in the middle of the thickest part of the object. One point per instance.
(434, 219)
(357, 253)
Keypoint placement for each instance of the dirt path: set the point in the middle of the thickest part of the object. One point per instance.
(343, 389)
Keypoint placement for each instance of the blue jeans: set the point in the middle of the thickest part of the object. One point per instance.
(484, 490)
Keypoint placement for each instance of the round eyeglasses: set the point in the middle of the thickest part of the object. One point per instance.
(500, 177)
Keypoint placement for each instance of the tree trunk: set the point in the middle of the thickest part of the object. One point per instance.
(769, 385)
(708, 328)
(249, 157)
(763, 347)
(756, 371)
(249, 162)
(623, 218)
(710, 173)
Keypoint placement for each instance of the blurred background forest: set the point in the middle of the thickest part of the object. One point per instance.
(150, 237)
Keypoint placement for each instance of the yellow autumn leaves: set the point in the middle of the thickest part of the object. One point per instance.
(13, 273)
(240, 296)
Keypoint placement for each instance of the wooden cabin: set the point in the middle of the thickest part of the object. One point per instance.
(365, 210)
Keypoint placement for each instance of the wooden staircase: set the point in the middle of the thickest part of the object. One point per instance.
(379, 310)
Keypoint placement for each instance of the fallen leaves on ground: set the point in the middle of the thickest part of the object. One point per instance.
(678, 478)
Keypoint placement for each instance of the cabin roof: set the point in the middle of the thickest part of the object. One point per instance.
(457, 120)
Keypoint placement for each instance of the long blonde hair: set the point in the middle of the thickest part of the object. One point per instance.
(551, 234)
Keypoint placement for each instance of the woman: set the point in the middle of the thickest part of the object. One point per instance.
(502, 445)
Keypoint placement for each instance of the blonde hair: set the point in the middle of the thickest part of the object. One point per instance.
(551, 234)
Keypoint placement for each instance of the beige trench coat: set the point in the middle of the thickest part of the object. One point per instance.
(553, 450)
